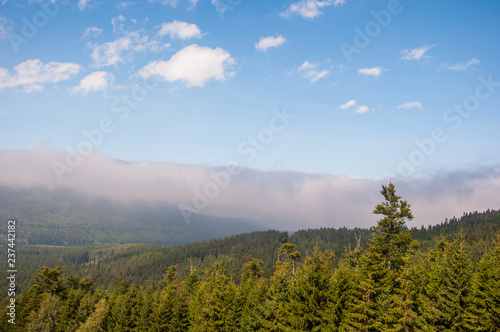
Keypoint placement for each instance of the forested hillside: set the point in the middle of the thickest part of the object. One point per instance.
(63, 217)
(145, 263)
(445, 277)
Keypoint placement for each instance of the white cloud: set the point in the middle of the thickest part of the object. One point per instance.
(3, 27)
(220, 6)
(464, 66)
(375, 71)
(309, 9)
(347, 105)
(98, 80)
(117, 23)
(91, 32)
(182, 30)
(172, 3)
(416, 53)
(112, 53)
(310, 71)
(264, 43)
(192, 4)
(124, 4)
(361, 109)
(194, 65)
(410, 105)
(33, 74)
(82, 4)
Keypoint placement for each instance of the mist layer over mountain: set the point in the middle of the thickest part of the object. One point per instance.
(279, 200)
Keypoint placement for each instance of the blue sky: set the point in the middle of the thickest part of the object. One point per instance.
(372, 89)
(202, 123)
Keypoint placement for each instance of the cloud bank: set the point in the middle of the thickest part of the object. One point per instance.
(283, 200)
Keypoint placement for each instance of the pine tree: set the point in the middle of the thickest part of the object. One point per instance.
(344, 283)
(484, 311)
(69, 311)
(311, 293)
(430, 283)
(455, 293)
(122, 307)
(95, 322)
(45, 320)
(251, 295)
(214, 307)
(403, 311)
(374, 308)
(144, 309)
(170, 311)
(278, 296)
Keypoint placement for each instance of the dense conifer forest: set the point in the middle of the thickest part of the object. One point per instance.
(389, 278)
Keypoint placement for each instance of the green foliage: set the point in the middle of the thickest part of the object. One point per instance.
(214, 307)
(385, 286)
(95, 322)
(46, 318)
(310, 293)
(483, 314)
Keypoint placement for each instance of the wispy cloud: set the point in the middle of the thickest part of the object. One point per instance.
(361, 109)
(192, 4)
(110, 53)
(124, 4)
(194, 65)
(416, 53)
(91, 32)
(375, 71)
(465, 65)
(87, 4)
(266, 42)
(4, 27)
(96, 81)
(309, 9)
(410, 105)
(349, 104)
(118, 22)
(172, 3)
(115, 52)
(310, 71)
(34, 74)
(181, 30)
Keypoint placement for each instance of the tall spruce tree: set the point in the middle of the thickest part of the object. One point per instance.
(483, 313)
(214, 307)
(377, 306)
(251, 295)
(170, 311)
(278, 296)
(311, 293)
(455, 294)
(430, 283)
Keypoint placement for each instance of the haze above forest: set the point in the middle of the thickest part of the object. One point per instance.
(278, 199)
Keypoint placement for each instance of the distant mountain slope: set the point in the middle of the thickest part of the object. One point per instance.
(64, 217)
(146, 263)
